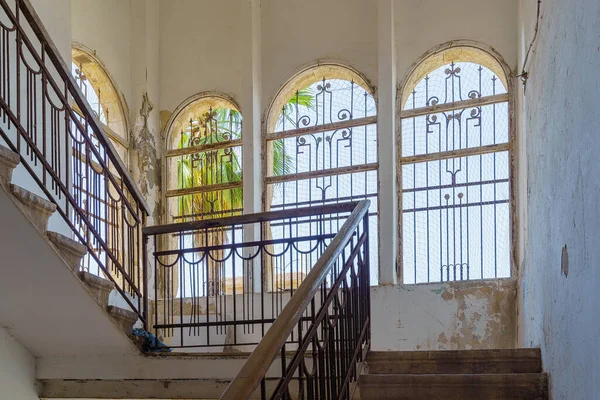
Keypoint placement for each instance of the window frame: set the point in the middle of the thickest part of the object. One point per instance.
(444, 54)
(304, 78)
(172, 127)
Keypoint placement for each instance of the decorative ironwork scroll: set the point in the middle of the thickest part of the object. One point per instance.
(324, 151)
(205, 164)
(455, 176)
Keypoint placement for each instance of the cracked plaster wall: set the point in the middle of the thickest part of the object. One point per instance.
(470, 316)
(559, 309)
(129, 51)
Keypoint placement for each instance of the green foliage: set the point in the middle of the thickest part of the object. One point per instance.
(223, 166)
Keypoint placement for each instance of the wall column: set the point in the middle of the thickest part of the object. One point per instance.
(250, 103)
(145, 140)
(386, 127)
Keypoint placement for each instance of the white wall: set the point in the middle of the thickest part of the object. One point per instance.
(56, 17)
(199, 49)
(297, 33)
(17, 370)
(104, 27)
(424, 24)
(559, 311)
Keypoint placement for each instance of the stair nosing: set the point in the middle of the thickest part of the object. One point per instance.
(451, 379)
(31, 199)
(454, 355)
(96, 281)
(67, 243)
(9, 157)
(118, 312)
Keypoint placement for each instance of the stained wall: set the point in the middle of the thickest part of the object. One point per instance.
(191, 46)
(559, 300)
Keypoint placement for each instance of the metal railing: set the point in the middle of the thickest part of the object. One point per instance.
(67, 153)
(223, 282)
(330, 314)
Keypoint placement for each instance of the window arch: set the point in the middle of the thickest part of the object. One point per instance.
(101, 93)
(321, 142)
(203, 177)
(93, 192)
(456, 168)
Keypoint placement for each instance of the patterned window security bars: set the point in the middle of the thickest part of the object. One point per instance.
(90, 187)
(102, 95)
(455, 163)
(204, 173)
(322, 150)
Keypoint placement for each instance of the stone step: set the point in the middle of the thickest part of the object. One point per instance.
(197, 389)
(454, 387)
(8, 162)
(70, 250)
(37, 209)
(99, 288)
(500, 361)
(125, 319)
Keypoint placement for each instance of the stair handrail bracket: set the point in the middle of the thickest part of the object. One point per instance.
(330, 313)
(68, 154)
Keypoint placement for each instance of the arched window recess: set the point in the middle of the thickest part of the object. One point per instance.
(321, 146)
(204, 159)
(455, 156)
(103, 96)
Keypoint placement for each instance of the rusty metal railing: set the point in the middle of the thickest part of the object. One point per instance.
(67, 153)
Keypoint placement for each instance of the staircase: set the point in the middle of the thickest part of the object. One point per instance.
(38, 211)
(514, 374)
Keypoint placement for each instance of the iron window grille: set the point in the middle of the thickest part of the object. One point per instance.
(323, 150)
(455, 173)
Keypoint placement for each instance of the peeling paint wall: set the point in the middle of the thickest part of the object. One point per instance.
(448, 316)
(559, 311)
(124, 35)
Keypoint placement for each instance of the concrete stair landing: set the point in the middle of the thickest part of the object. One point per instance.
(513, 374)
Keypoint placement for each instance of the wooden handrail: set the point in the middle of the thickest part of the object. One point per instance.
(250, 218)
(61, 68)
(253, 371)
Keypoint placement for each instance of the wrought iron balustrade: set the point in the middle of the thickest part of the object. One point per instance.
(330, 315)
(223, 282)
(45, 118)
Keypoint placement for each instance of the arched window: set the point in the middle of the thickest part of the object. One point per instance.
(321, 142)
(204, 159)
(456, 168)
(103, 96)
(91, 189)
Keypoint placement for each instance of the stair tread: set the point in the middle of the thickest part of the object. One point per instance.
(95, 280)
(445, 379)
(27, 197)
(518, 386)
(67, 243)
(119, 312)
(484, 354)
(9, 157)
(456, 362)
